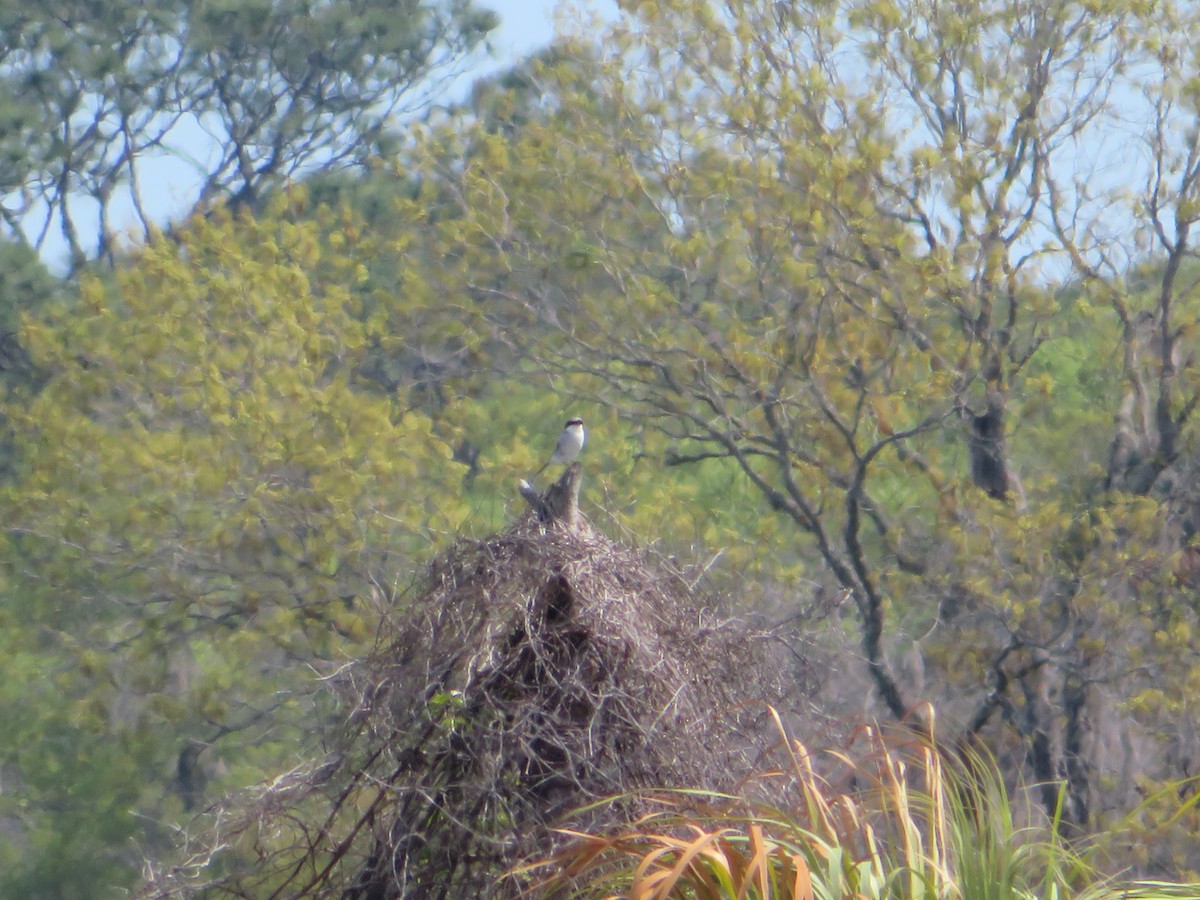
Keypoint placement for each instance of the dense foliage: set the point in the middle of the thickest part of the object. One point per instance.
(870, 308)
(844, 288)
(205, 509)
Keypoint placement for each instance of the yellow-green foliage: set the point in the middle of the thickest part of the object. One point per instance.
(777, 256)
(801, 249)
(208, 504)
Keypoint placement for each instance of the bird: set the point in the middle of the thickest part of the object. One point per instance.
(570, 442)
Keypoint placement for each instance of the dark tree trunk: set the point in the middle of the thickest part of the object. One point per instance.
(986, 446)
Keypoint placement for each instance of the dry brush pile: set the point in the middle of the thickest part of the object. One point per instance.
(533, 673)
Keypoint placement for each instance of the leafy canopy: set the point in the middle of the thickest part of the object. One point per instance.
(208, 505)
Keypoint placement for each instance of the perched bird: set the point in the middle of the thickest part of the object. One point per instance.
(570, 442)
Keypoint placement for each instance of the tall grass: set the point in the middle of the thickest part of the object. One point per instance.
(912, 822)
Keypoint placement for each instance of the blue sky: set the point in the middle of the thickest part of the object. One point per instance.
(524, 25)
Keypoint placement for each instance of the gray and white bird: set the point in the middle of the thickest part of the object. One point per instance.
(570, 442)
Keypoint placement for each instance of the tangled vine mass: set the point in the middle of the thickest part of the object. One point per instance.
(531, 674)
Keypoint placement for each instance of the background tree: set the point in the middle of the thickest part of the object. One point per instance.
(840, 292)
(755, 252)
(249, 94)
(207, 507)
